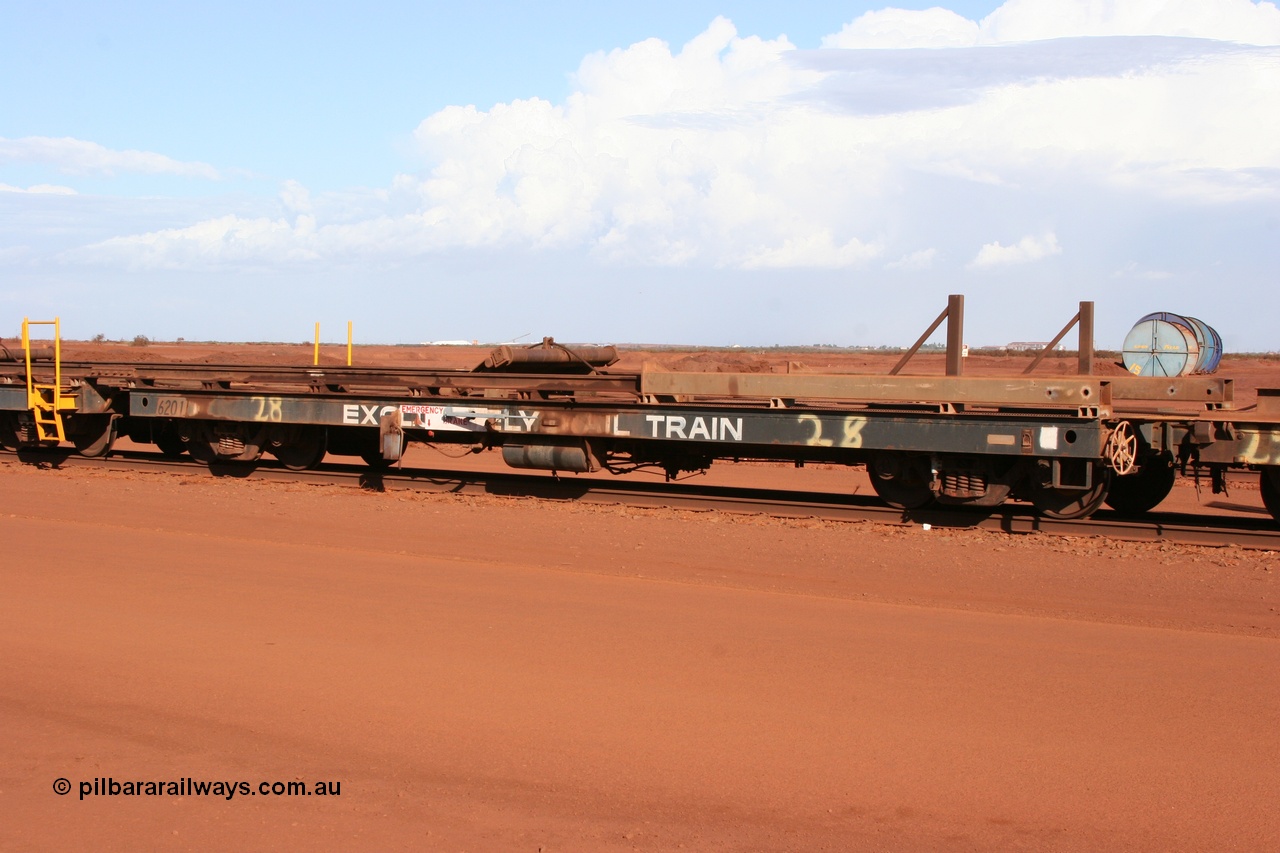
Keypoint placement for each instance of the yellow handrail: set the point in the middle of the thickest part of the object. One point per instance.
(46, 410)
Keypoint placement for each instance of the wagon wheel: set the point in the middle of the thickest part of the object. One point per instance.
(1269, 483)
(167, 440)
(302, 449)
(373, 456)
(94, 435)
(1142, 491)
(1061, 503)
(1122, 449)
(9, 431)
(901, 480)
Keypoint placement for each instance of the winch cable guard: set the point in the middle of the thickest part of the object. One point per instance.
(548, 357)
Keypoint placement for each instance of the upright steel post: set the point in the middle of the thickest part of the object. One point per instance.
(1085, 350)
(955, 334)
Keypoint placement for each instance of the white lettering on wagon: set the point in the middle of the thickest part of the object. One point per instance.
(171, 407)
(521, 421)
(850, 434)
(358, 414)
(709, 428)
(424, 417)
(443, 418)
(1259, 447)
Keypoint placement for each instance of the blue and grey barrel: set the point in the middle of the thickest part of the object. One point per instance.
(1165, 344)
(1211, 349)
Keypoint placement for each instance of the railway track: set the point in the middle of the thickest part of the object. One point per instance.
(1181, 528)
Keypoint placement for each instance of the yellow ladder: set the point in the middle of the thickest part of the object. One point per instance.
(46, 401)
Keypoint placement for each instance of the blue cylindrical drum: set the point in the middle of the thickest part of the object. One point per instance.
(1167, 344)
(1160, 348)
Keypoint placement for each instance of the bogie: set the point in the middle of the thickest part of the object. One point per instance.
(222, 441)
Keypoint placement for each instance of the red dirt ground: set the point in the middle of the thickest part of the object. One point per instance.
(496, 674)
(489, 674)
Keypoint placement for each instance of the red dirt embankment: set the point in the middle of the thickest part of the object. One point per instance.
(494, 674)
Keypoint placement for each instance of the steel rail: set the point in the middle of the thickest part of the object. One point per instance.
(303, 374)
(335, 379)
(1123, 394)
(1180, 528)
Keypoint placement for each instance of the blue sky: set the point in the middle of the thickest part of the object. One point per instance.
(695, 172)
(323, 93)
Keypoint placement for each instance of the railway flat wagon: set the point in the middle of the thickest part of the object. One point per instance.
(1065, 444)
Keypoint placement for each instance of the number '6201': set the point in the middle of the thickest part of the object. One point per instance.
(171, 407)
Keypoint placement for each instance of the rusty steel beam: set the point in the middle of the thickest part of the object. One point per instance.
(1084, 352)
(235, 372)
(1269, 402)
(1181, 389)
(247, 377)
(16, 354)
(954, 315)
(906, 356)
(1048, 348)
(1000, 391)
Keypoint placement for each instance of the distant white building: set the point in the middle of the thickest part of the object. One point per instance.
(1027, 346)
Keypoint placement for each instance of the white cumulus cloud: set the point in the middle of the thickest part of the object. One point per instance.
(38, 189)
(1241, 21)
(659, 157)
(817, 250)
(916, 261)
(227, 240)
(80, 157)
(1028, 249)
(1132, 270)
(740, 152)
(903, 28)
(1016, 21)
